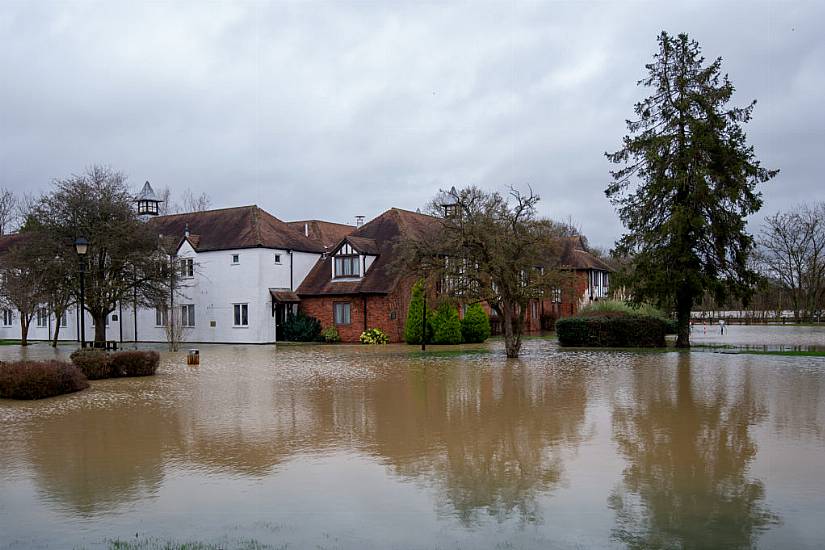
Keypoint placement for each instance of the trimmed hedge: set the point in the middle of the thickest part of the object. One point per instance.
(97, 364)
(629, 331)
(446, 325)
(134, 363)
(302, 328)
(39, 379)
(93, 363)
(475, 326)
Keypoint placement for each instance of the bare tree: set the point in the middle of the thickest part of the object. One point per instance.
(192, 203)
(792, 250)
(491, 248)
(22, 285)
(8, 211)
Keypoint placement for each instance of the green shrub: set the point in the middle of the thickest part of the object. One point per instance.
(330, 335)
(93, 363)
(374, 336)
(415, 316)
(620, 332)
(475, 327)
(446, 325)
(616, 308)
(672, 326)
(39, 379)
(301, 328)
(134, 363)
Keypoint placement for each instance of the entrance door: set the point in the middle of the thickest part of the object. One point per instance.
(280, 320)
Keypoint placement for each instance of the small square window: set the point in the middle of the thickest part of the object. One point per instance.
(277, 258)
(236, 258)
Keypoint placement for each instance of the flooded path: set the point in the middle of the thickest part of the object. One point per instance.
(384, 447)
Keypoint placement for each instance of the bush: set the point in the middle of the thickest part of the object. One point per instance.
(374, 336)
(93, 363)
(475, 327)
(415, 315)
(625, 331)
(446, 325)
(617, 308)
(330, 335)
(134, 363)
(39, 379)
(302, 328)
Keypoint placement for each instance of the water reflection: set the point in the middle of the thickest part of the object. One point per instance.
(688, 446)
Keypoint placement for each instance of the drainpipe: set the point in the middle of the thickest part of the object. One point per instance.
(291, 285)
(365, 313)
(120, 319)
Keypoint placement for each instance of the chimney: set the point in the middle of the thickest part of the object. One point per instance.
(359, 221)
(186, 231)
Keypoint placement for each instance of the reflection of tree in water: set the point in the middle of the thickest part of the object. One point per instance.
(92, 461)
(487, 439)
(685, 485)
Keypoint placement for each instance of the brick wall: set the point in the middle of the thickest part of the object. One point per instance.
(386, 312)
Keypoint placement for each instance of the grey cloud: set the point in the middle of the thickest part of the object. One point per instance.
(336, 109)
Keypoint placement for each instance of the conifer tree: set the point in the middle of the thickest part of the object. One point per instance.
(415, 315)
(475, 326)
(446, 325)
(686, 184)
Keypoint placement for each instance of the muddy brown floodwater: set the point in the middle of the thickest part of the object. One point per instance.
(385, 447)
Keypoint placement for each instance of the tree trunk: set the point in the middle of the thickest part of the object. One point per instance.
(100, 329)
(512, 334)
(24, 330)
(56, 332)
(684, 303)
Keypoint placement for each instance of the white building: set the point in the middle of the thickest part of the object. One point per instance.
(239, 266)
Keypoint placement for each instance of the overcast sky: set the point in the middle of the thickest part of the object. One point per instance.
(333, 109)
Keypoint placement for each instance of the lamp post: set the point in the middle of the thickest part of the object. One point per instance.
(81, 245)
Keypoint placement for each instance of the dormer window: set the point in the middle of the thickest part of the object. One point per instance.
(347, 266)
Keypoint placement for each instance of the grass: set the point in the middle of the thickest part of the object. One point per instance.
(156, 544)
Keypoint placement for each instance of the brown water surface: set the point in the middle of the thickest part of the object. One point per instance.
(385, 447)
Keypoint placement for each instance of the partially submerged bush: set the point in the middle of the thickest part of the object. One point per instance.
(301, 328)
(39, 379)
(93, 363)
(330, 335)
(134, 363)
(617, 308)
(446, 325)
(97, 364)
(621, 332)
(374, 336)
(475, 326)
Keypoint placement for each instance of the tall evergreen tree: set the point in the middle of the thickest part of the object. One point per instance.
(413, 328)
(686, 184)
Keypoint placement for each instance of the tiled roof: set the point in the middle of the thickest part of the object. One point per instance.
(378, 237)
(234, 228)
(576, 256)
(327, 233)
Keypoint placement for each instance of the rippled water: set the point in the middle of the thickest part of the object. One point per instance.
(385, 447)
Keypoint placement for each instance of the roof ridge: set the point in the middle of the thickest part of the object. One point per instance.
(206, 211)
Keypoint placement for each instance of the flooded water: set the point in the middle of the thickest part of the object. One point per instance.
(385, 447)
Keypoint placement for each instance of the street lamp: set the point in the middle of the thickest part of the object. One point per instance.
(81, 245)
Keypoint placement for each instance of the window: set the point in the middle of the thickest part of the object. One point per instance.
(277, 258)
(187, 267)
(236, 259)
(241, 312)
(557, 295)
(347, 266)
(187, 315)
(8, 317)
(64, 319)
(160, 316)
(341, 311)
(534, 310)
(42, 317)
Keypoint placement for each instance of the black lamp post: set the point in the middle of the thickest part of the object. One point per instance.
(81, 245)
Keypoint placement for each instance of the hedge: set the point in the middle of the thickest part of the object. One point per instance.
(635, 331)
(39, 379)
(302, 328)
(97, 364)
(475, 326)
(446, 325)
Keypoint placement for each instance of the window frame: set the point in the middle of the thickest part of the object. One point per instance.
(240, 313)
(351, 260)
(278, 259)
(235, 259)
(42, 318)
(335, 306)
(162, 313)
(187, 315)
(8, 317)
(187, 268)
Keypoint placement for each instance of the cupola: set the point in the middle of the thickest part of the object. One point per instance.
(147, 201)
